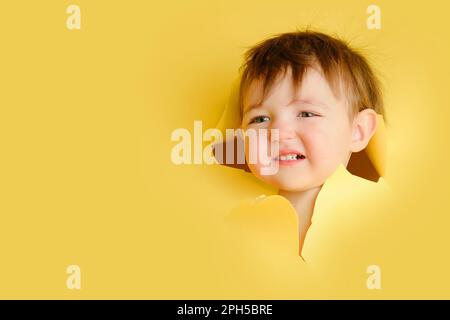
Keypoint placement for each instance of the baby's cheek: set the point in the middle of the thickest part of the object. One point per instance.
(254, 149)
(315, 143)
(251, 156)
(329, 149)
(322, 153)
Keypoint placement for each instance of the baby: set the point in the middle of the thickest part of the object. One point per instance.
(323, 99)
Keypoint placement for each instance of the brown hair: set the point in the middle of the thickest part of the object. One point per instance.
(340, 64)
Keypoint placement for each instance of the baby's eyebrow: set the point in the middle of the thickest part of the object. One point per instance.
(293, 102)
(251, 107)
(308, 101)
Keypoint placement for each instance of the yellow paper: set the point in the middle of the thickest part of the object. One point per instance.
(86, 177)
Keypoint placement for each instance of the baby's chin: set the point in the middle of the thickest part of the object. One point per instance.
(295, 187)
(289, 180)
(289, 184)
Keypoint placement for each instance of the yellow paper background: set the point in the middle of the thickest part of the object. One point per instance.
(85, 123)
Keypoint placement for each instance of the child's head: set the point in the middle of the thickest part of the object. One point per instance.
(320, 94)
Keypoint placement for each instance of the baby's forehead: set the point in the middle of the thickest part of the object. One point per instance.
(312, 87)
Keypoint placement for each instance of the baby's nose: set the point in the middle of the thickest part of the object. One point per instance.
(286, 130)
(286, 134)
(281, 135)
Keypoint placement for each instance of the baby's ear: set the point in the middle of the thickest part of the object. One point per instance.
(364, 126)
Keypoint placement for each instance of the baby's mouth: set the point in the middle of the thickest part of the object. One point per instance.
(290, 157)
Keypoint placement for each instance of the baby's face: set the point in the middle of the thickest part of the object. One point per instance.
(315, 130)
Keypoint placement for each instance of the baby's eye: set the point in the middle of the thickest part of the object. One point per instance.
(259, 119)
(306, 114)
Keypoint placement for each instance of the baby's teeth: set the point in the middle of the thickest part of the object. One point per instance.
(288, 157)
